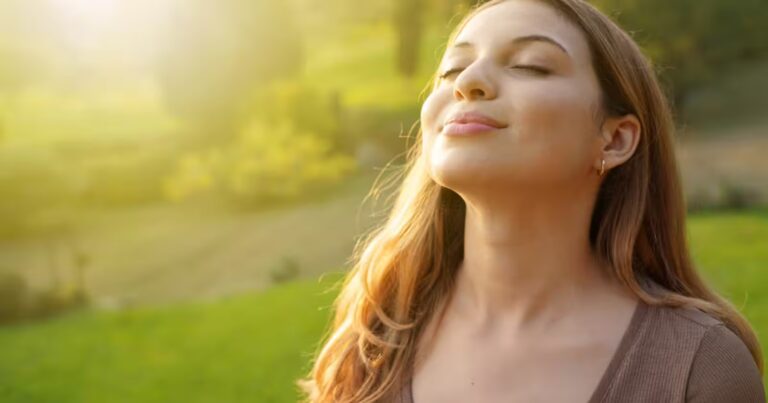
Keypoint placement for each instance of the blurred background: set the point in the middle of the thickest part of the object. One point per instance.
(182, 182)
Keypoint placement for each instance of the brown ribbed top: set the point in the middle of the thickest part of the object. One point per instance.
(674, 355)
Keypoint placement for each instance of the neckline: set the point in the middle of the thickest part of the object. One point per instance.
(626, 341)
(627, 338)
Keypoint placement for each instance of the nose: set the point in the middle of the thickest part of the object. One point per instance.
(473, 83)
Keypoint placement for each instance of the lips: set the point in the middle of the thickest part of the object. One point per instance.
(471, 122)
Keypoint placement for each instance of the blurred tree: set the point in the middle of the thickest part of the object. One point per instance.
(408, 23)
(266, 163)
(322, 16)
(692, 42)
(220, 53)
(306, 107)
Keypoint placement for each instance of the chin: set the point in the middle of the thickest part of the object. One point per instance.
(461, 177)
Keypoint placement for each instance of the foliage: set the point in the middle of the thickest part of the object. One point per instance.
(265, 164)
(292, 146)
(288, 269)
(694, 42)
(726, 194)
(307, 107)
(20, 302)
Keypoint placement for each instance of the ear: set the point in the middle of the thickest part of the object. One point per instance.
(620, 137)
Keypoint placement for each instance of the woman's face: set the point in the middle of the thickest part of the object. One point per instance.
(524, 66)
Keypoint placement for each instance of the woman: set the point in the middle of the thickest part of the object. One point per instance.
(537, 249)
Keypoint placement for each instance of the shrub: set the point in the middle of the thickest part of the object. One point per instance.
(288, 269)
(13, 297)
(57, 300)
(725, 194)
(266, 163)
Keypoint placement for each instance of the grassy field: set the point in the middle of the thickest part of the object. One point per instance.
(242, 349)
(250, 348)
(731, 249)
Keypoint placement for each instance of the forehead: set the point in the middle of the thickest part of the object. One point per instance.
(497, 25)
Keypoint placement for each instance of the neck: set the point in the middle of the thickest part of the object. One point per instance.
(527, 265)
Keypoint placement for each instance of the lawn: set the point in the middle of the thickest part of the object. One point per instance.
(250, 347)
(241, 349)
(732, 250)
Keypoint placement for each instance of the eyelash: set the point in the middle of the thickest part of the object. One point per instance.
(537, 69)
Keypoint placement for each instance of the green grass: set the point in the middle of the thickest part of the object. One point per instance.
(252, 347)
(731, 249)
(242, 349)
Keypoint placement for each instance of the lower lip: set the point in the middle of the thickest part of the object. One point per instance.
(467, 129)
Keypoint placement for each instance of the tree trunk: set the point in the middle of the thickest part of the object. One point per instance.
(408, 24)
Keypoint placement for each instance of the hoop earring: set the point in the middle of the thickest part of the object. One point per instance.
(602, 168)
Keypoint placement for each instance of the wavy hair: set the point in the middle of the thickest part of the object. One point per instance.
(405, 268)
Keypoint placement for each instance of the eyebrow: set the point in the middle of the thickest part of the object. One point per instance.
(521, 39)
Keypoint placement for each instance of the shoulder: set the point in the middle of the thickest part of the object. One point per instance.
(683, 354)
(722, 368)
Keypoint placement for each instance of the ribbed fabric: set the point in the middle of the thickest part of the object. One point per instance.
(674, 355)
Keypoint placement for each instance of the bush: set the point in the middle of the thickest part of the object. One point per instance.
(19, 302)
(305, 107)
(739, 197)
(54, 301)
(266, 164)
(288, 269)
(13, 297)
(726, 195)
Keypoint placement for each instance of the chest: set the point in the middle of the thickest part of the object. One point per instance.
(531, 379)
(531, 372)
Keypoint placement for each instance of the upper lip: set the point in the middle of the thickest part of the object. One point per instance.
(474, 117)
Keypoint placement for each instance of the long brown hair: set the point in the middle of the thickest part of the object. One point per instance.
(405, 268)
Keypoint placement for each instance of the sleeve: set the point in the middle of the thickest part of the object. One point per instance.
(723, 370)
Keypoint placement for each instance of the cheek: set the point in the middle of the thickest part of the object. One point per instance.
(431, 110)
(556, 111)
(559, 120)
(431, 116)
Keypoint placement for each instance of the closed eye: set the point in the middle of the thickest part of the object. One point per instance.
(535, 69)
(450, 72)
